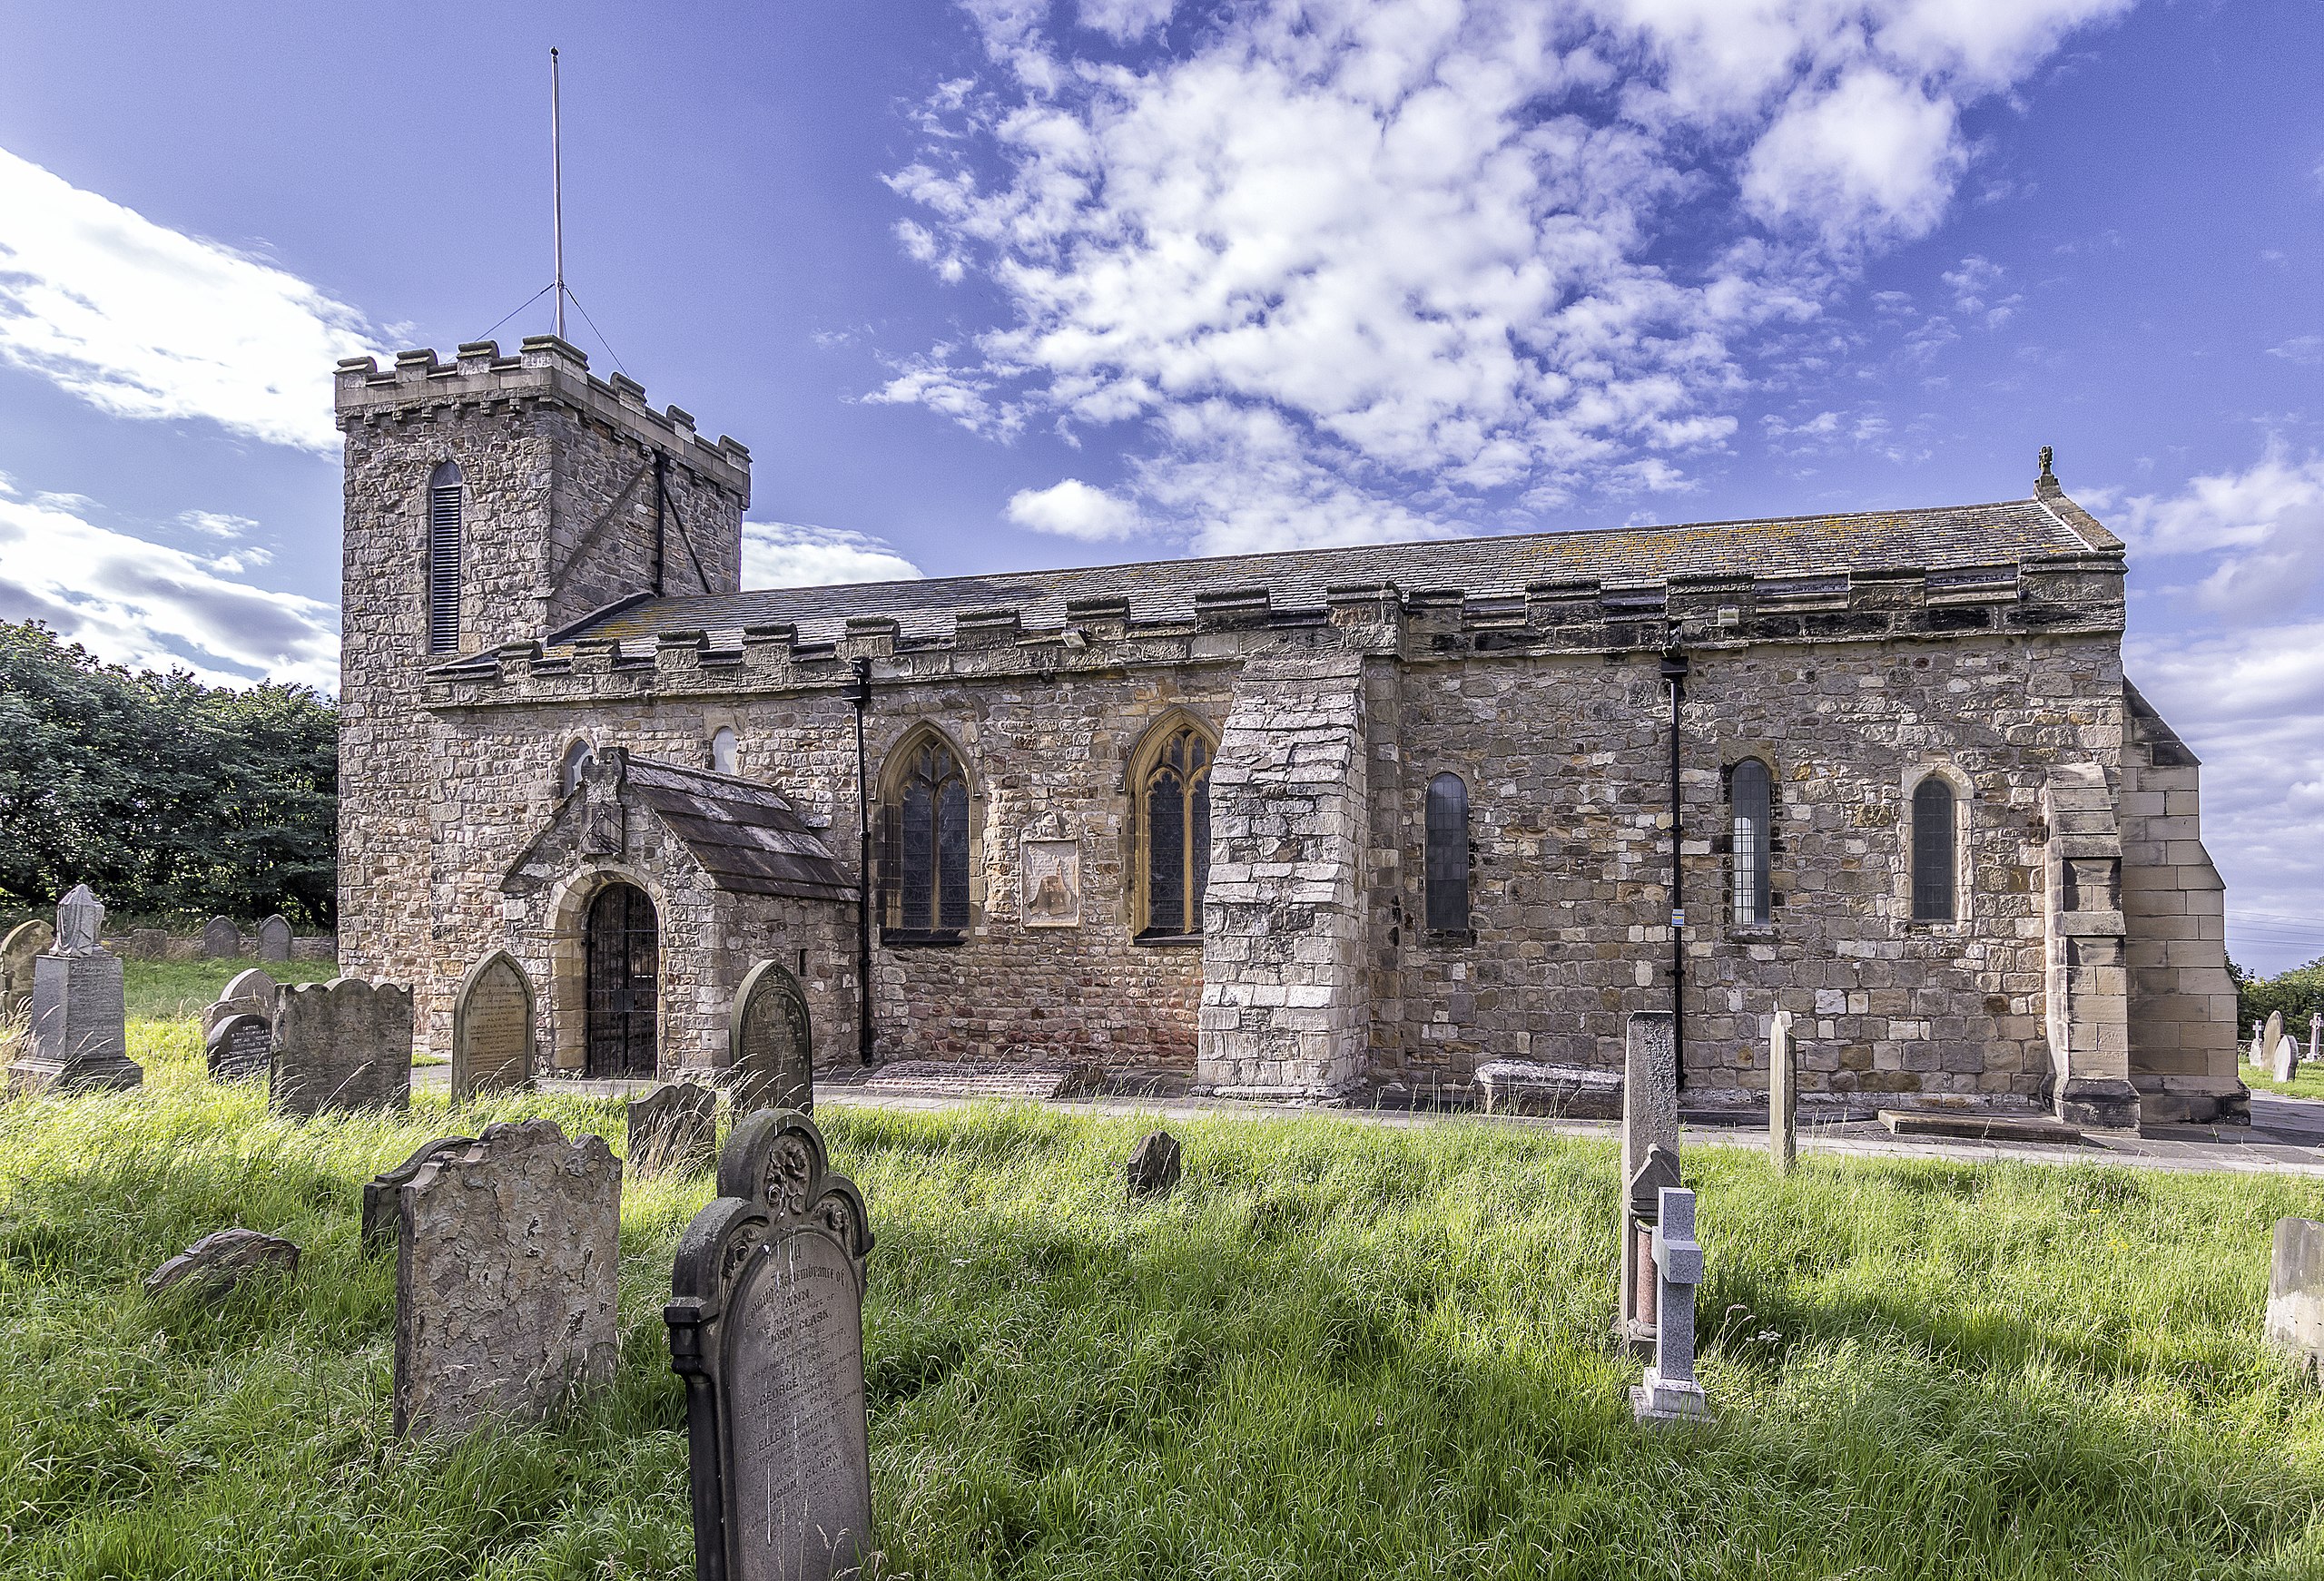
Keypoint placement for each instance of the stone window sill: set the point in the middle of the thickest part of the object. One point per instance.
(1754, 933)
(1169, 940)
(1447, 938)
(918, 939)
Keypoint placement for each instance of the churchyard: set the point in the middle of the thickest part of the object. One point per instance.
(1331, 1349)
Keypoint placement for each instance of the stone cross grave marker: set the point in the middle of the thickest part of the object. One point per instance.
(221, 939)
(2286, 1064)
(237, 1046)
(674, 1129)
(770, 1042)
(25, 943)
(505, 1265)
(382, 1207)
(766, 1329)
(341, 1045)
(79, 1038)
(2256, 1054)
(1783, 1094)
(1669, 1392)
(248, 993)
(492, 1029)
(274, 939)
(1650, 1121)
(2295, 1317)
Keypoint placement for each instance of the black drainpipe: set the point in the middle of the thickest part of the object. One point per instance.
(859, 692)
(1674, 672)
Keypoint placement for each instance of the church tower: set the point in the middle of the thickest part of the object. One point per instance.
(491, 500)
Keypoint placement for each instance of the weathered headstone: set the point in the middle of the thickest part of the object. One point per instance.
(1669, 1392)
(1154, 1168)
(1783, 1094)
(221, 939)
(25, 942)
(341, 1045)
(2315, 1037)
(1650, 1121)
(2286, 1064)
(504, 1286)
(492, 1029)
(766, 1329)
(771, 1046)
(248, 993)
(148, 944)
(274, 939)
(237, 1046)
(2295, 1318)
(2270, 1038)
(674, 1129)
(2256, 1054)
(221, 1260)
(79, 1037)
(381, 1208)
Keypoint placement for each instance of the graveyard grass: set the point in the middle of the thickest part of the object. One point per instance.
(1339, 1350)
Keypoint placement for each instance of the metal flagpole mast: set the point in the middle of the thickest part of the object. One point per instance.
(557, 189)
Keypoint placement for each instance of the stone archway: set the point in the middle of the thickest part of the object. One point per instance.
(621, 943)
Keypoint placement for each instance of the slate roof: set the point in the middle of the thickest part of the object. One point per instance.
(746, 836)
(2007, 531)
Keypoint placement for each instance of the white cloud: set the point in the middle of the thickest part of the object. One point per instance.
(1359, 268)
(153, 607)
(1073, 509)
(1977, 292)
(217, 524)
(787, 554)
(143, 321)
(2262, 529)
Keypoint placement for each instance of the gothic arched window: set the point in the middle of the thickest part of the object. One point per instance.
(1934, 862)
(444, 559)
(722, 750)
(927, 825)
(1749, 796)
(1445, 859)
(1173, 790)
(568, 770)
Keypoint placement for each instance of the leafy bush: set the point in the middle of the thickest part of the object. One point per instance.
(2299, 994)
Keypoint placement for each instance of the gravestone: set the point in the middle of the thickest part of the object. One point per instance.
(505, 1265)
(2315, 1036)
(237, 1046)
(221, 1260)
(79, 1037)
(1154, 1168)
(2295, 1318)
(674, 1129)
(766, 1329)
(1669, 1392)
(1783, 1094)
(221, 939)
(246, 993)
(2273, 1035)
(2286, 1064)
(274, 939)
(2256, 1053)
(148, 944)
(380, 1206)
(25, 943)
(341, 1045)
(492, 1029)
(770, 1042)
(1650, 1121)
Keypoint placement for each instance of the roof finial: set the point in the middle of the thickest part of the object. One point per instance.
(2047, 476)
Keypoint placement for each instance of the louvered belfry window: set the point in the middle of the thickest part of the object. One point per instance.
(1176, 793)
(1934, 863)
(1445, 859)
(444, 559)
(1748, 793)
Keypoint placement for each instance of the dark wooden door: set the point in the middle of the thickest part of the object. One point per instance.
(625, 953)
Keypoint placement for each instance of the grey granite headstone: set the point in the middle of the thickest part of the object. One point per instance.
(341, 1045)
(2295, 1318)
(79, 1038)
(1783, 1094)
(1154, 1168)
(766, 1329)
(250, 992)
(274, 939)
(1669, 1392)
(2287, 1058)
(673, 1130)
(221, 939)
(771, 1046)
(505, 1280)
(1649, 1120)
(237, 1046)
(492, 1029)
(25, 942)
(380, 1204)
(221, 1260)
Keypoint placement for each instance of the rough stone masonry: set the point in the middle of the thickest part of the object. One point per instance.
(569, 734)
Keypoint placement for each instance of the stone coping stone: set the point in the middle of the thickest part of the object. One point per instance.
(1570, 1092)
(944, 1078)
(1976, 1127)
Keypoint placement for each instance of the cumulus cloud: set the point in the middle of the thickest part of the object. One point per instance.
(1397, 266)
(1073, 509)
(143, 321)
(154, 608)
(2260, 530)
(788, 555)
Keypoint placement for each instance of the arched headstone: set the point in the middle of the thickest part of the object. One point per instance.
(25, 942)
(221, 939)
(492, 1029)
(274, 939)
(247, 993)
(771, 1045)
(237, 1046)
(2287, 1058)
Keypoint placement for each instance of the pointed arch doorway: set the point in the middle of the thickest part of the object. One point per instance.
(622, 943)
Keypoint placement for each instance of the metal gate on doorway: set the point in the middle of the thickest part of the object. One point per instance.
(624, 947)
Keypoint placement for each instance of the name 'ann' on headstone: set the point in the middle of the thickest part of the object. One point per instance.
(505, 1278)
(1649, 1127)
(674, 1129)
(79, 1037)
(492, 1029)
(274, 939)
(25, 943)
(341, 1045)
(770, 1042)
(766, 1329)
(221, 939)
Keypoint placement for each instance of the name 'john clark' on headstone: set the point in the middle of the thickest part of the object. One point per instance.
(766, 1329)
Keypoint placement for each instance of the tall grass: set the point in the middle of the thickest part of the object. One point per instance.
(1339, 1350)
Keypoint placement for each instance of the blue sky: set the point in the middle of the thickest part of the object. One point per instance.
(1006, 283)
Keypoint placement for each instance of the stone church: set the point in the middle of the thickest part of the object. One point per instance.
(1299, 825)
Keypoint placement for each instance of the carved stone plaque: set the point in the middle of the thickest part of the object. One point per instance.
(1050, 878)
(771, 1044)
(492, 1030)
(766, 1328)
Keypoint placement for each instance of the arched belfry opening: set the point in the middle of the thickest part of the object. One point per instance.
(622, 941)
